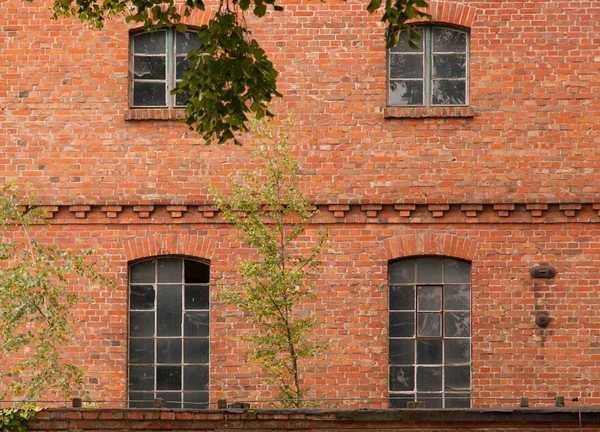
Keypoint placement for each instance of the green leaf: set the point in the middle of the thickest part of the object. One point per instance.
(260, 10)
(373, 5)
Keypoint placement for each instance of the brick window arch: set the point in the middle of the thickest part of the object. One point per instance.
(430, 332)
(169, 332)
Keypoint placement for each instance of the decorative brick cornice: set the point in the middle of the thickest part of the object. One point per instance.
(392, 213)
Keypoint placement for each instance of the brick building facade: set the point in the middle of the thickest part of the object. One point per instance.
(486, 156)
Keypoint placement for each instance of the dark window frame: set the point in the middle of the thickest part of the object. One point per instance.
(427, 78)
(169, 341)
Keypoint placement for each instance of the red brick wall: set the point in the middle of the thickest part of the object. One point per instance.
(508, 183)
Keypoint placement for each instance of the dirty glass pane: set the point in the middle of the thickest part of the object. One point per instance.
(406, 92)
(430, 299)
(429, 270)
(429, 351)
(448, 40)
(457, 378)
(149, 68)
(458, 400)
(182, 98)
(449, 66)
(168, 350)
(185, 42)
(399, 400)
(141, 351)
(181, 65)
(196, 296)
(456, 271)
(457, 324)
(141, 400)
(169, 270)
(195, 350)
(429, 325)
(402, 297)
(429, 379)
(432, 400)
(402, 351)
(141, 297)
(402, 324)
(403, 42)
(172, 399)
(457, 351)
(141, 378)
(402, 272)
(168, 377)
(149, 93)
(195, 324)
(402, 378)
(195, 400)
(457, 297)
(196, 272)
(141, 324)
(449, 92)
(150, 43)
(406, 66)
(142, 272)
(168, 310)
(195, 377)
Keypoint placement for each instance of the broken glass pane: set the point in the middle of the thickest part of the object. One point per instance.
(406, 66)
(406, 92)
(196, 272)
(149, 68)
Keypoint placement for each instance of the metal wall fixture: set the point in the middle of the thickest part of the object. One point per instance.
(542, 320)
(542, 272)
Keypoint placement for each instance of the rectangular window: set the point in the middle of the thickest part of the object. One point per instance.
(435, 74)
(157, 62)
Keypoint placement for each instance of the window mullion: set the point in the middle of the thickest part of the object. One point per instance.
(428, 58)
(170, 66)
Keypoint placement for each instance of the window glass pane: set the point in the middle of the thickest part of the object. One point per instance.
(432, 400)
(150, 43)
(196, 296)
(402, 351)
(406, 66)
(458, 400)
(141, 297)
(402, 378)
(429, 379)
(448, 40)
(403, 42)
(181, 99)
(456, 271)
(181, 65)
(185, 42)
(142, 272)
(141, 324)
(141, 351)
(141, 378)
(457, 324)
(149, 93)
(149, 68)
(402, 272)
(168, 310)
(168, 350)
(195, 377)
(402, 297)
(406, 92)
(449, 92)
(168, 377)
(195, 324)
(169, 270)
(195, 350)
(430, 298)
(429, 270)
(399, 400)
(195, 400)
(457, 351)
(449, 66)
(429, 351)
(457, 378)
(429, 324)
(172, 399)
(402, 324)
(196, 272)
(141, 399)
(457, 297)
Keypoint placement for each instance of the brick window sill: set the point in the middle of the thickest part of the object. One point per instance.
(391, 112)
(154, 114)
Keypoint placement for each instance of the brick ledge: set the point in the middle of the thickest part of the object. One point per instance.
(154, 114)
(391, 112)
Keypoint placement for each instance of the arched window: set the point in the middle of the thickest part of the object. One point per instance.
(156, 63)
(430, 332)
(169, 333)
(435, 74)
